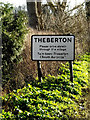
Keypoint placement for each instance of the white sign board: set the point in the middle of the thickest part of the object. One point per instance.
(53, 47)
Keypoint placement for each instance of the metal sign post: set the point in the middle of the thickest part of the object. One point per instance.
(39, 71)
(71, 71)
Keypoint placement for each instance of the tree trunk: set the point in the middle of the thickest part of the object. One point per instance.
(33, 20)
(39, 14)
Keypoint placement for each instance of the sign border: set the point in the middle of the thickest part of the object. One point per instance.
(50, 35)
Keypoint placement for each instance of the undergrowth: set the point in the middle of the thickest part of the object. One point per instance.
(55, 98)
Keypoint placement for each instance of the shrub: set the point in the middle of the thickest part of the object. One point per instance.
(13, 34)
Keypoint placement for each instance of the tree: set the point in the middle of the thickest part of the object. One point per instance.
(33, 20)
(39, 14)
(34, 12)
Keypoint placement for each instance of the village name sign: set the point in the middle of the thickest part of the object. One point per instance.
(53, 47)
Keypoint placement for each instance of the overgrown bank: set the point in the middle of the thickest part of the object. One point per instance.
(54, 98)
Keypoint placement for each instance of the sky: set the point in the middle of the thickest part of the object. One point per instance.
(23, 2)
